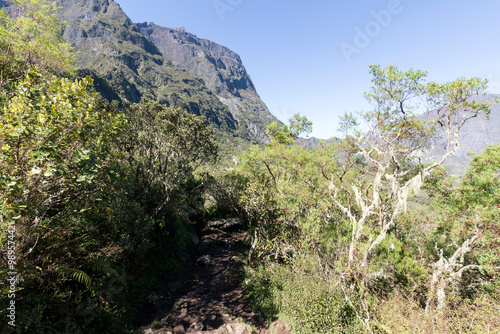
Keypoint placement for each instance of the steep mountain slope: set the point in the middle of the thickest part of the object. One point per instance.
(127, 66)
(220, 68)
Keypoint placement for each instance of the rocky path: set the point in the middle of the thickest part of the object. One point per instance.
(208, 297)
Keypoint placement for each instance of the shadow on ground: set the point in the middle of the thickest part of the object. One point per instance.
(207, 296)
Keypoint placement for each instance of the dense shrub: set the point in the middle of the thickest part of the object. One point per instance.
(307, 301)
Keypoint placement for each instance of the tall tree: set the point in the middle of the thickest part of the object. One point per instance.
(467, 236)
(391, 167)
(164, 146)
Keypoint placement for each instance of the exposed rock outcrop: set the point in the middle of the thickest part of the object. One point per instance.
(128, 66)
(221, 69)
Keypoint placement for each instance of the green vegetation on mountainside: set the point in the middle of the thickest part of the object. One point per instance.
(128, 67)
(117, 55)
(221, 70)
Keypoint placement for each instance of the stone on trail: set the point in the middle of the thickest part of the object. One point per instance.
(195, 239)
(205, 260)
(236, 328)
(224, 224)
(159, 331)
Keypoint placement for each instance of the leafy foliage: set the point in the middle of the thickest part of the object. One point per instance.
(164, 146)
(95, 192)
(56, 161)
(307, 302)
(347, 206)
(98, 193)
(30, 37)
(286, 134)
(286, 198)
(466, 238)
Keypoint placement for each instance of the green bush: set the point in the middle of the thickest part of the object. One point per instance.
(308, 302)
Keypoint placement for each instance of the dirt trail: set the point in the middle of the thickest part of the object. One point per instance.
(208, 297)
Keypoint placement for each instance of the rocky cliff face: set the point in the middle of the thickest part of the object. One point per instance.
(130, 62)
(128, 66)
(221, 70)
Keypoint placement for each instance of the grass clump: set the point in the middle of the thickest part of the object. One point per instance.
(308, 302)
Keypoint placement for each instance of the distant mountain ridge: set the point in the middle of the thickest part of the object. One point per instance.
(475, 136)
(313, 142)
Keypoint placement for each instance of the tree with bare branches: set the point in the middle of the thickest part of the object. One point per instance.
(387, 156)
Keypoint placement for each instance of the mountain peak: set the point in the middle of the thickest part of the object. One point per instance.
(133, 61)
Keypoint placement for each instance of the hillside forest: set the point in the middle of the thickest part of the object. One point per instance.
(99, 199)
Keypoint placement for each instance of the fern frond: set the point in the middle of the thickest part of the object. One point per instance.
(78, 275)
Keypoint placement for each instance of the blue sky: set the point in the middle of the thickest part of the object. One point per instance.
(312, 57)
